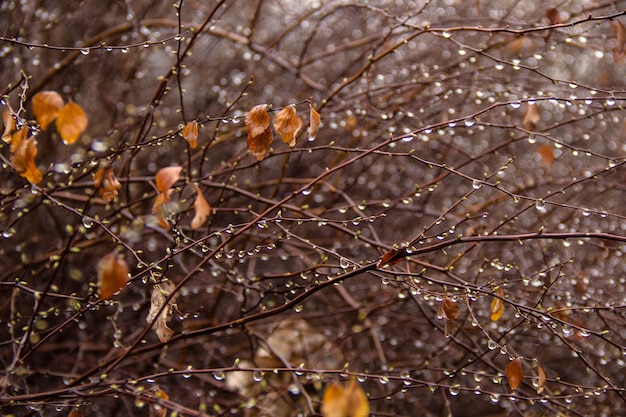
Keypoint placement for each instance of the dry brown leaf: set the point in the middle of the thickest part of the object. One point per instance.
(358, 405)
(287, 123)
(165, 178)
(260, 144)
(106, 183)
(112, 275)
(497, 305)
(546, 153)
(390, 257)
(314, 122)
(531, 116)
(202, 209)
(71, 122)
(159, 296)
(514, 373)
(541, 379)
(553, 15)
(190, 133)
(620, 38)
(334, 401)
(46, 107)
(448, 309)
(257, 120)
(23, 153)
(159, 210)
(9, 124)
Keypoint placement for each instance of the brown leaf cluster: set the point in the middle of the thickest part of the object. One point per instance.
(160, 311)
(514, 373)
(71, 120)
(106, 183)
(340, 401)
(112, 275)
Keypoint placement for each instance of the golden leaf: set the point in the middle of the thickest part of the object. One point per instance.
(334, 401)
(46, 107)
(106, 183)
(202, 210)
(165, 178)
(71, 122)
(190, 133)
(358, 405)
(112, 275)
(314, 122)
(514, 373)
(257, 120)
(260, 144)
(159, 311)
(531, 116)
(497, 305)
(23, 153)
(541, 379)
(9, 124)
(287, 123)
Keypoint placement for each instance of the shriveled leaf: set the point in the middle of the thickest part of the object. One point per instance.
(260, 144)
(314, 122)
(358, 404)
(202, 210)
(112, 275)
(497, 305)
(287, 123)
(257, 120)
(23, 153)
(531, 116)
(46, 107)
(71, 122)
(334, 401)
(160, 311)
(159, 209)
(448, 309)
(514, 373)
(391, 257)
(165, 178)
(106, 183)
(541, 379)
(553, 15)
(9, 124)
(619, 30)
(190, 133)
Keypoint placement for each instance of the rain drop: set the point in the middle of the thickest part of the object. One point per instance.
(84, 51)
(344, 263)
(540, 205)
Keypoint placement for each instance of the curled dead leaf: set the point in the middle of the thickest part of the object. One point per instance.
(9, 124)
(448, 309)
(165, 178)
(46, 107)
(71, 122)
(497, 305)
(23, 153)
(190, 133)
(202, 209)
(112, 275)
(287, 123)
(106, 183)
(314, 122)
(514, 373)
(257, 120)
(541, 379)
(159, 312)
(532, 115)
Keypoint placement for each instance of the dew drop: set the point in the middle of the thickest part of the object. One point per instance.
(84, 51)
(257, 376)
(298, 308)
(446, 35)
(516, 105)
(540, 205)
(455, 389)
(218, 375)
(308, 191)
(344, 263)
(87, 222)
(470, 122)
(477, 184)
(494, 398)
(8, 232)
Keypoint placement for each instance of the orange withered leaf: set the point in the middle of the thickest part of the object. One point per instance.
(358, 405)
(260, 144)
(71, 122)
(112, 275)
(390, 257)
(541, 379)
(531, 116)
(190, 133)
(23, 153)
(287, 123)
(546, 154)
(106, 183)
(9, 124)
(46, 107)
(497, 305)
(553, 15)
(314, 122)
(158, 209)
(334, 401)
(202, 210)
(257, 120)
(165, 178)
(514, 373)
